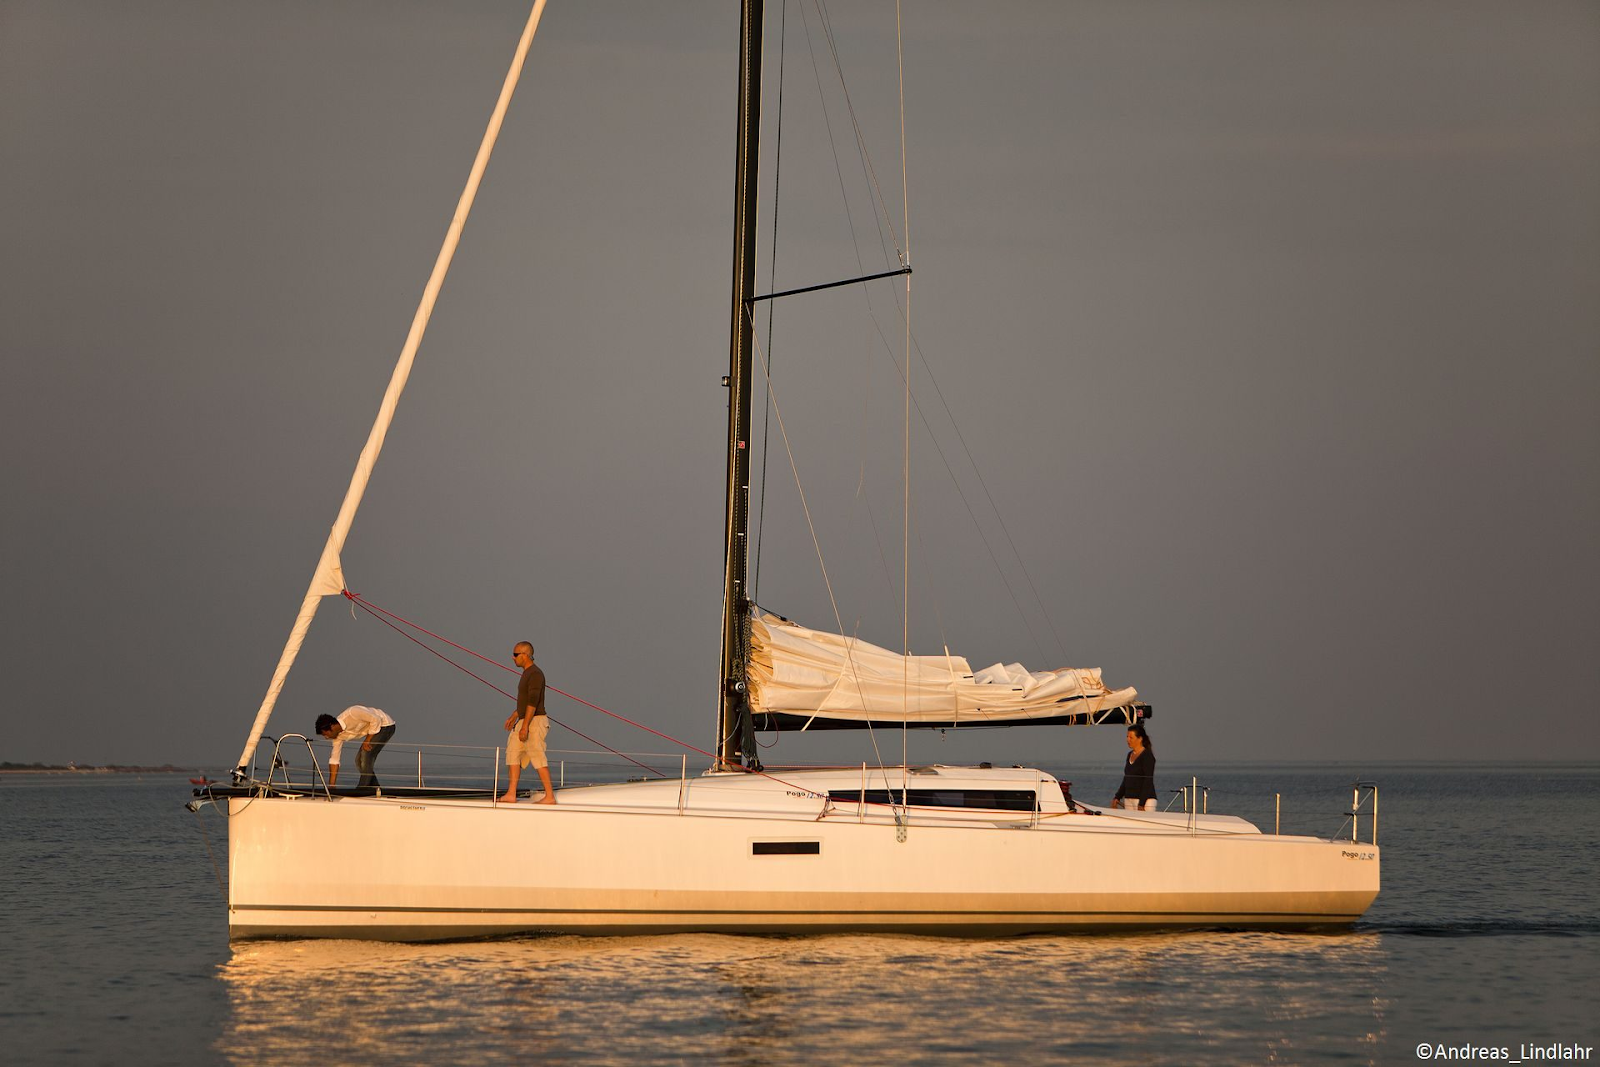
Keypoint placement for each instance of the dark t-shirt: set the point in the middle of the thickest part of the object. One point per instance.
(531, 690)
(1139, 778)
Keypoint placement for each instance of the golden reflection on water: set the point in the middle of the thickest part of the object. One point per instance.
(1193, 998)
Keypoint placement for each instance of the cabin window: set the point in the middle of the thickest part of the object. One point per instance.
(785, 848)
(991, 799)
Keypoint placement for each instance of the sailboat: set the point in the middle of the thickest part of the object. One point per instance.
(743, 849)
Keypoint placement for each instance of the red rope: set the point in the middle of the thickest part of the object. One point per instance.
(348, 595)
(374, 611)
(356, 597)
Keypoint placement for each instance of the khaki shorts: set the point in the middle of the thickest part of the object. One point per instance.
(520, 753)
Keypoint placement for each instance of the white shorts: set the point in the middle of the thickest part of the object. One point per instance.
(520, 753)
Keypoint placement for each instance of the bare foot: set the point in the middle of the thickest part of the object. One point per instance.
(509, 798)
(545, 798)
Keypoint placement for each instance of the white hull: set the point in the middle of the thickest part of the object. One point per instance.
(655, 857)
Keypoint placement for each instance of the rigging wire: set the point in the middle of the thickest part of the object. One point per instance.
(885, 221)
(910, 343)
(862, 155)
(855, 244)
(983, 483)
(379, 613)
(816, 544)
(900, 56)
(855, 124)
(870, 173)
(955, 482)
(838, 169)
(932, 588)
(861, 482)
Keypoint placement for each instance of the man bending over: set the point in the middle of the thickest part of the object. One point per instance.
(372, 726)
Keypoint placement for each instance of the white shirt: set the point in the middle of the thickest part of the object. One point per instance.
(357, 722)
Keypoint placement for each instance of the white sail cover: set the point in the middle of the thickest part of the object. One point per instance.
(796, 671)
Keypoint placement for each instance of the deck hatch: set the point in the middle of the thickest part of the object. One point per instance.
(785, 848)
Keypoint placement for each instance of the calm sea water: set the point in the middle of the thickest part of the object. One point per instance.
(1487, 933)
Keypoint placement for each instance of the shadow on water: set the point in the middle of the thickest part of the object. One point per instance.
(1221, 997)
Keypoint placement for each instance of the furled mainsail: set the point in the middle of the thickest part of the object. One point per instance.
(824, 677)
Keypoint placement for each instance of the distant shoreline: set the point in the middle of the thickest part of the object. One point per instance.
(112, 768)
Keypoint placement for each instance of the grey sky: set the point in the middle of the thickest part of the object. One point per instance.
(1272, 328)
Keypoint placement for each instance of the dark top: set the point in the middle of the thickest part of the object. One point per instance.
(531, 690)
(1139, 779)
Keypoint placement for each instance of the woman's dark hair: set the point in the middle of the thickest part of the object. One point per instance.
(1144, 739)
(325, 721)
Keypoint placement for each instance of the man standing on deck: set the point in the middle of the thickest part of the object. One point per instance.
(529, 727)
(372, 726)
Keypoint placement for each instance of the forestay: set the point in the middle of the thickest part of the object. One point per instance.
(829, 680)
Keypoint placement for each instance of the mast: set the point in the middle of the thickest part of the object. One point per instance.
(735, 602)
